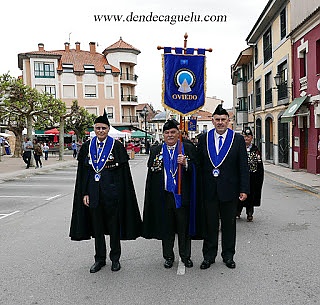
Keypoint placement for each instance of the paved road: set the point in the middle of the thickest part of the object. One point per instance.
(276, 255)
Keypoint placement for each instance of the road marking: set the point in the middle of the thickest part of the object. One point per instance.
(16, 196)
(53, 197)
(6, 215)
(181, 268)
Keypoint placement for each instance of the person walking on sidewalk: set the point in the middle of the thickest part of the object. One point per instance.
(104, 201)
(74, 147)
(256, 177)
(224, 178)
(165, 211)
(27, 147)
(6, 145)
(37, 153)
(45, 151)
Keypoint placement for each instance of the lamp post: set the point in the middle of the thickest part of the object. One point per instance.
(145, 113)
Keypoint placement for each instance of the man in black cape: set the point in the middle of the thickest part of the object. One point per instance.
(104, 197)
(165, 211)
(256, 177)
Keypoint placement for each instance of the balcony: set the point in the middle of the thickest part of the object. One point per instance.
(127, 78)
(242, 90)
(129, 99)
(130, 119)
(282, 91)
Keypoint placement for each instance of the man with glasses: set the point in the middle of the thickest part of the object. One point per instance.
(224, 180)
(104, 198)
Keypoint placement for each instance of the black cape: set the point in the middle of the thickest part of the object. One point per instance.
(130, 219)
(154, 222)
(256, 171)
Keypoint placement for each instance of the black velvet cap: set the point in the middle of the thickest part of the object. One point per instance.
(172, 123)
(102, 119)
(220, 111)
(247, 132)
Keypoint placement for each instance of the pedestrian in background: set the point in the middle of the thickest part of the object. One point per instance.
(224, 178)
(165, 211)
(6, 145)
(74, 147)
(45, 151)
(27, 147)
(104, 201)
(256, 177)
(37, 153)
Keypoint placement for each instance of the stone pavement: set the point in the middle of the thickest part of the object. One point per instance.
(15, 168)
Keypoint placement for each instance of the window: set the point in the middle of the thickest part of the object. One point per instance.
(109, 93)
(243, 104)
(46, 88)
(90, 91)
(268, 88)
(68, 91)
(318, 56)
(250, 70)
(283, 87)
(92, 110)
(283, 24)
(258, 94)
(43, 70)
(110, 112)
(255, 54)
(67, 68)
(303, 63)
(267, 46)
(89, 69)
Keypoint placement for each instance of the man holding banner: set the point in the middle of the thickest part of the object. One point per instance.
(225, 179)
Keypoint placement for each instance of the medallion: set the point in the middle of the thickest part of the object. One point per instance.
(97, 177)
(216, 172)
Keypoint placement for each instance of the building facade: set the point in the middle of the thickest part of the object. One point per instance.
(97, 81)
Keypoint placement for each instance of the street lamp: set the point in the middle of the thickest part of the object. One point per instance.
(145, 113)
(277, 79)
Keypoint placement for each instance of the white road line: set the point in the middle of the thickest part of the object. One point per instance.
(181, 268)
(16, 196)
(53, 197)
(6, 215)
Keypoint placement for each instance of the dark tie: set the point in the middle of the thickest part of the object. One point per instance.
(220, 142)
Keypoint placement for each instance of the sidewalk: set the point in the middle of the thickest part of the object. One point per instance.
(15, 168)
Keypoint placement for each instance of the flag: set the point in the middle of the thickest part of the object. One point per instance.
(183, 82)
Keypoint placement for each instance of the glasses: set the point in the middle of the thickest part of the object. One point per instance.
(100, 128)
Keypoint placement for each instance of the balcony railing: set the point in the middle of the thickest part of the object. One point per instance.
(268, 96)
(282, 91)
(130, 119)
(127, 76)
(129, 98)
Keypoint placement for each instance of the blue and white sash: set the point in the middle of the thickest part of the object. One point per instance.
(98, 162)
(170, 162)
(217, 159)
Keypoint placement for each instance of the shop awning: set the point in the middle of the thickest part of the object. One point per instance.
(292, 109)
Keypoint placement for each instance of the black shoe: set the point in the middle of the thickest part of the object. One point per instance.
(206, 264)
(230, 263)
(187, 262)
(115, 266)
(97, 266)
(249, 218)
(168, 263)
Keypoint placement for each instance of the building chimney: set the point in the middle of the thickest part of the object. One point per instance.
(77, 46)
(67, 46)
(92, 46)
(41, 46)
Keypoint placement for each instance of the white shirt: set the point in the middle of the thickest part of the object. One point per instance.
(216, 139)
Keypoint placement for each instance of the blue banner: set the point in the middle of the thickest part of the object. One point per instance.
(192, 125)
(183, 83)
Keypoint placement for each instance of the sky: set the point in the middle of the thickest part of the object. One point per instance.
(24, 24)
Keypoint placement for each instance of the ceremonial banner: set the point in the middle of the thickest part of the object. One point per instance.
(192, 125)
(183, 89)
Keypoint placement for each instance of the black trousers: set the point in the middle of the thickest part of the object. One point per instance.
(38, 160)
(106, 218)
(27, 158)
(216, 210)
(177, 221)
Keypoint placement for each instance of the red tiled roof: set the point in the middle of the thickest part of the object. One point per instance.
(120, 44)
(78, 59)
